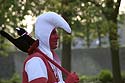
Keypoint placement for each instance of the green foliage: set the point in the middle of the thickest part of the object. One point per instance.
(3, 47)
(80, 14)
(14, 79)
(89, 79)
(11, 15)
(105, 76)
(123, 75)
(121, 18)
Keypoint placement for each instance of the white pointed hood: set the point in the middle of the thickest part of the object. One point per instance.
(44, 25)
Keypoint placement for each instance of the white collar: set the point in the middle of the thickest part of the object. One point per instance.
(45, 50)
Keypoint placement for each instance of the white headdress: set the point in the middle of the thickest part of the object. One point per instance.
(44, 25)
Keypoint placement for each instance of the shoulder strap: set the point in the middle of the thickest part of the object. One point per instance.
(54, 63)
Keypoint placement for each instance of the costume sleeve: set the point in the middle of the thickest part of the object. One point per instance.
(35, 68)
(39, 80)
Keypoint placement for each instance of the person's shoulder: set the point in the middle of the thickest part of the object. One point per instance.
(33, 63)
(34, 60)
(32, 57)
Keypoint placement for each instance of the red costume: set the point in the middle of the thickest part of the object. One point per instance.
(43, 65)
(37, 68)
(51, 77)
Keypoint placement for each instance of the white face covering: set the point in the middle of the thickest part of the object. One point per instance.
(44, 25)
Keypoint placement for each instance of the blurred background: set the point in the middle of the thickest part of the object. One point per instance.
(95, 49)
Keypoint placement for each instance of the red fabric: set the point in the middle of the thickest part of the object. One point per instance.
(33, 47)
(51, 76)
(72, 78)
(25, 77)
(53, 62)
(56, 57)
(39, 80)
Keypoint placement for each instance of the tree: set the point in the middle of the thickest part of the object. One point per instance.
(10, 17)
(12, 14)
(105, 11)
(111, 11)
(82, 15)
(66, 42)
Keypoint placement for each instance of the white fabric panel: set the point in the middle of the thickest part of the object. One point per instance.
(60, 75)
(35, 68)
(45, 50)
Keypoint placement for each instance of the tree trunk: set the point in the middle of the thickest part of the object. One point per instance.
(87, 36)
(66, 54)
(66, 44)
(111, 11)
(115, 55)
(113, 37)
(99, 36)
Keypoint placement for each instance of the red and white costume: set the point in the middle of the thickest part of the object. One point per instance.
(36, 68)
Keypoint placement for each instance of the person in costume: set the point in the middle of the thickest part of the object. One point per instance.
(36, 67)
(43, 64)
